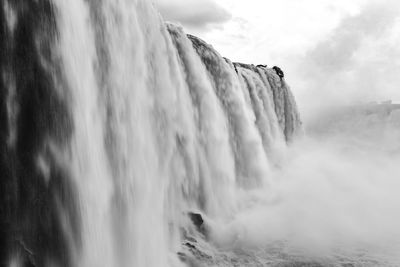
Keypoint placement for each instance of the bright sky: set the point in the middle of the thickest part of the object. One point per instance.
(340, 51)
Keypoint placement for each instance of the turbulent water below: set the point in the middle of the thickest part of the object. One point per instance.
(126, 142)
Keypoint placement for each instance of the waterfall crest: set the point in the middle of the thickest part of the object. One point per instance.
(119, 132)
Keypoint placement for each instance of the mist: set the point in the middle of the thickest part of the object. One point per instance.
(356, 62)
(127, 141)
(334, 199)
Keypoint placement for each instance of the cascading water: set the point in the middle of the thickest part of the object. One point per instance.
(126, 142)
(119, 132)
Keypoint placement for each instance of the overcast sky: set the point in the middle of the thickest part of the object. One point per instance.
(339, 51)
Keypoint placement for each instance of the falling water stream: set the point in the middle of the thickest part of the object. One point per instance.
(157, 133)
(130, 143)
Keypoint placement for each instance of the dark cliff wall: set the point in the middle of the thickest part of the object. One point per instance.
(35, 193)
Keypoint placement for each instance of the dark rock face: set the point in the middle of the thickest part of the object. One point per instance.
(279, 72)
(35, 191)
(197, 219)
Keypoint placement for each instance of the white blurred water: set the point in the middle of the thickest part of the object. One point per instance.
(163, 126)
(155, 136)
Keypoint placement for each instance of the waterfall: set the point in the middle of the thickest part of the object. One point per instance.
(118, 130)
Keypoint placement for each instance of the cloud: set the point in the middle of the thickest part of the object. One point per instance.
(195, 14)
(357, 62)
(270, 31)
(336, 52)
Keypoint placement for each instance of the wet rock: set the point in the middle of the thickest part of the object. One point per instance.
(196, 219)
(182, 256)
(191, 239)
(278, 71)
(189, 245)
